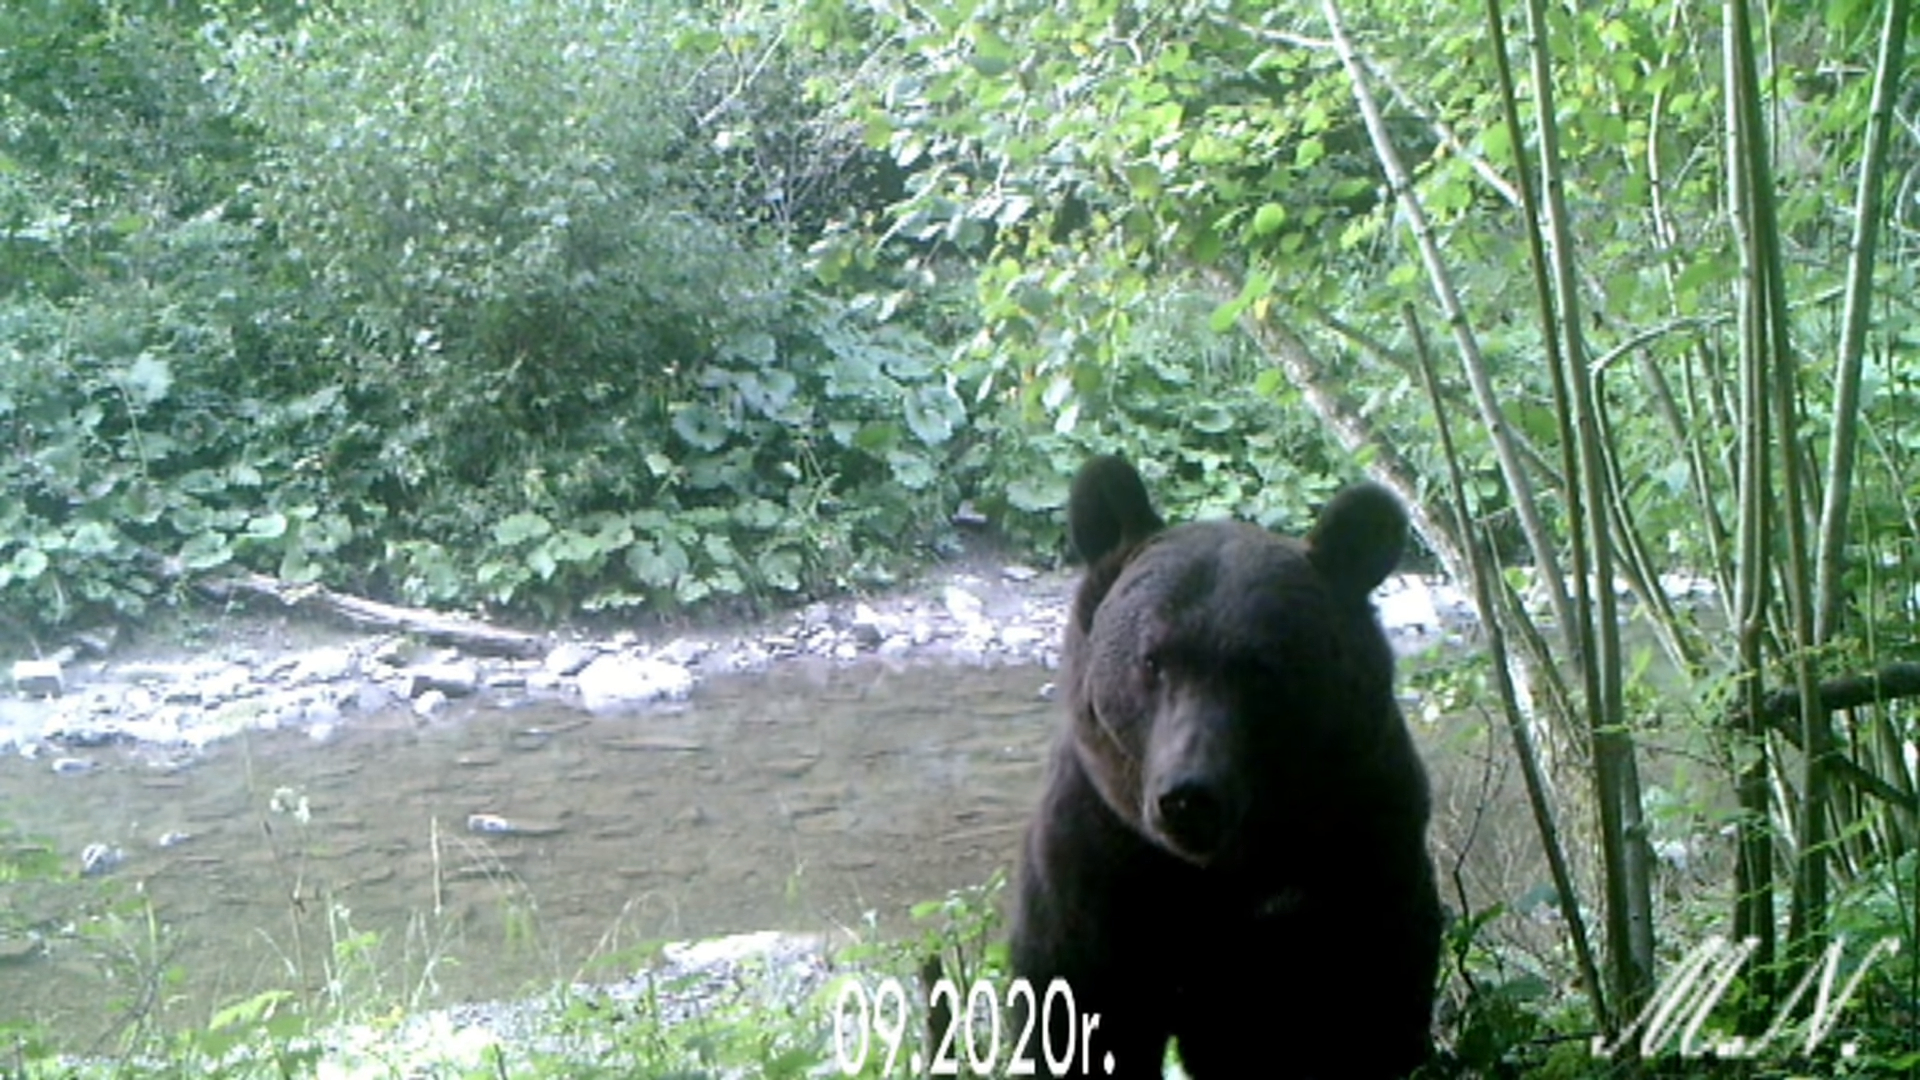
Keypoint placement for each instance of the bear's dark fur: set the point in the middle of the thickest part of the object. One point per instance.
(1231, 850)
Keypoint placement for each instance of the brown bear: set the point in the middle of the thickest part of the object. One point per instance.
(1231, 848)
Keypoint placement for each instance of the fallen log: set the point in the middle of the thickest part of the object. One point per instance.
(469, 635)
(1780, 711)
(1900, 679)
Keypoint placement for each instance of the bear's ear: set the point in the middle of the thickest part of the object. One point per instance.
(1107, 508)
(1359, 536)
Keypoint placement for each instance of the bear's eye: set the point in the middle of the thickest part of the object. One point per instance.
(1150, 669)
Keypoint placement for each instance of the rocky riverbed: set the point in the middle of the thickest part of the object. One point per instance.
(208, 675)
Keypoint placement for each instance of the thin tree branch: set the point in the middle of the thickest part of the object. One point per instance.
(1481, 563)
(1867, 211)
(1519, 484)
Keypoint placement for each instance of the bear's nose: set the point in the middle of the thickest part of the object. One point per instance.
(1191, 815)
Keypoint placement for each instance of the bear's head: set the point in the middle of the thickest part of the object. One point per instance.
(1230, 688)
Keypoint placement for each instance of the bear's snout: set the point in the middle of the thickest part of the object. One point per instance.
(1196, 790)
(1193, 818)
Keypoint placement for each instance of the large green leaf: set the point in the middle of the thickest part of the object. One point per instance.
(205, 551)
(521, 527)
(569, 545)
(27, 563)
(268, 526)
(700, 427)
(93, 539)
(933, 412)
(659, 565)
(780, 568)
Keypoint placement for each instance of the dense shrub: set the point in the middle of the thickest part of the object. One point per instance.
(541, 307)
(470, 306)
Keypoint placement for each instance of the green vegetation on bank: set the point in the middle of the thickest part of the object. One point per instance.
(543, 308)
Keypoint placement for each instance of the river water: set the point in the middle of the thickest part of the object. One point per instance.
(802, 798)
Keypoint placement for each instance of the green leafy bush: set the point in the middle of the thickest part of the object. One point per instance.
(1213, 432)
(471, 305)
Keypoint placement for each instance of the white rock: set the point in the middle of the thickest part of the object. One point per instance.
(158, 726)
(1409, 610)
(97, 859)
(182, 693)
(226, 684)
(488, 823)
(456, 679)
(867, 628)
(734, 949)
(1021, 637)
(40, 678)
(370, 697)
(748, 656)
(568, 658)
(320, 709)
(683, 651)
(326, 665)
(613, 682)
(963, 605)
(1679, 586)
(391, 652)
(973, 649)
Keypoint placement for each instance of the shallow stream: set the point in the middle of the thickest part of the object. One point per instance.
(802, 798)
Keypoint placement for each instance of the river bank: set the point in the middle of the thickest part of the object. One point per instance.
(199, 675)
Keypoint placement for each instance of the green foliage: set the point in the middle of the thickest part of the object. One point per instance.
(1213, 435)
(1088, 156)
(599, 394)
(506, 305)
(786, 470)
(475, 304)
(120, 463)
(1497, 1015)
(24, 859)
(120, 282)
(1089, 159)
